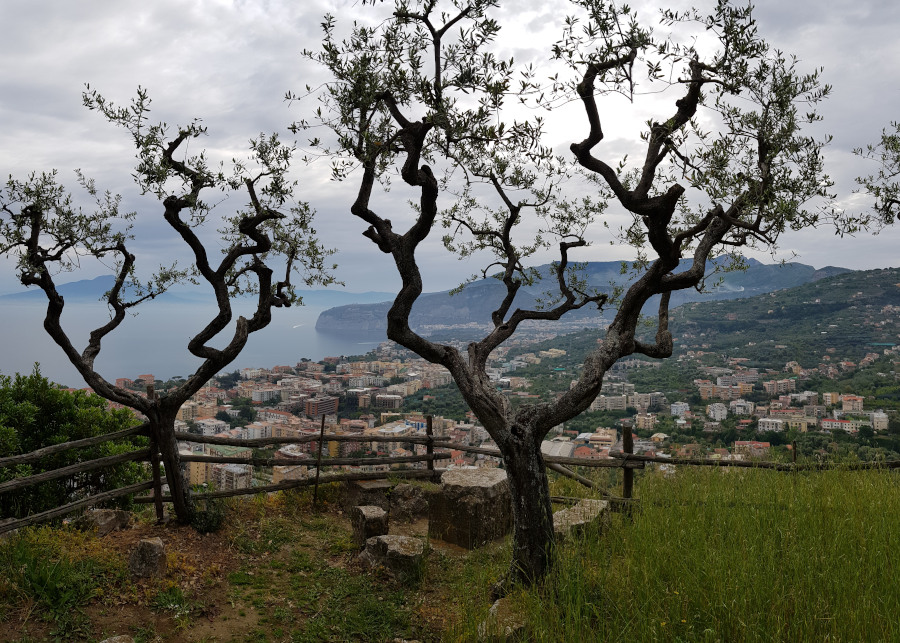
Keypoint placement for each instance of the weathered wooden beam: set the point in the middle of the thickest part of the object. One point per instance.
(81, 467)
(35, 456)
(306, 482)
(303, 439)
(571, 474)
(548, 459)
(328, 462)
(752, 464)
(74, 506)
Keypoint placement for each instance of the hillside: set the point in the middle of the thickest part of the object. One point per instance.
(844, 317)
(474, 303)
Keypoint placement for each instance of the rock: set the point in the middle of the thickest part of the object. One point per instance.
(368, 521)
(358, 493)
(571, 521)
(411, 501)
(502, 623)
(104, 521)
(121, 638)
(401, 556)
(472, 508)
(148, 559)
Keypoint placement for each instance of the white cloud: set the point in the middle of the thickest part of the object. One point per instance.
(230, 63)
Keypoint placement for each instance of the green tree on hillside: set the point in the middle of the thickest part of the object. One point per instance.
(34, 414)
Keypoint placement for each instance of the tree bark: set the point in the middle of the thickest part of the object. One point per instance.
(533, 536)
(162, 427)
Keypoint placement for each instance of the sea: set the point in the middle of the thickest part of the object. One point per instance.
(155, 340)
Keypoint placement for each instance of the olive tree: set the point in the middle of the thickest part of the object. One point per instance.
(884, 184)
(725, 166)
(47, 232)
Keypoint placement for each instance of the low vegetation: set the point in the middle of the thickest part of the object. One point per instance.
(733, 555)
(707, 555)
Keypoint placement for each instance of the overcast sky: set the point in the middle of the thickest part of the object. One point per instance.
(230, 63)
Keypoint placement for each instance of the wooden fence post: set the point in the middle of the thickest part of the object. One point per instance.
(319, 464)
(429, 447)
(154, 465)
(628, 448)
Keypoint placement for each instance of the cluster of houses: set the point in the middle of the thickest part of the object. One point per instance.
(293, 402)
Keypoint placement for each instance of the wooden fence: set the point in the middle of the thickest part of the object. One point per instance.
(624, 460)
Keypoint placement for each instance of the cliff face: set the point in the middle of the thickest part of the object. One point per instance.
(474, 304)
(355, 318)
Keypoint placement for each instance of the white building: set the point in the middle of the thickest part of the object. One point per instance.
(266, 394)
(771, 424)
(741, 407)
(679, 409)
(716, 412)
(211, 426)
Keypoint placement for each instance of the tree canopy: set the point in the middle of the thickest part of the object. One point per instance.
(48, 232)
(728, 164)
(884, 184)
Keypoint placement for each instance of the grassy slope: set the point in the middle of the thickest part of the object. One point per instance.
(711, 555)
(740, 555)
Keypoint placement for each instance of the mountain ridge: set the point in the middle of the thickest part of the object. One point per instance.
(91, 290)
(475, 302)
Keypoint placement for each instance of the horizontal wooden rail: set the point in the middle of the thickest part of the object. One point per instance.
(759, 464)
(303, 439)
(329, 462)
(73, 506)
(81, 467)
(554, 459)
(558, 468)
(305, 482)
(34, 456)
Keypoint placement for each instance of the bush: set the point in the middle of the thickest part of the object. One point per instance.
(209, 515)
(34, 413)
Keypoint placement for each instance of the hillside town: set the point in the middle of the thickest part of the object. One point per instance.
(380, 395)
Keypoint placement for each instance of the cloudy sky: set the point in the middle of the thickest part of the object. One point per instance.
(230, 63)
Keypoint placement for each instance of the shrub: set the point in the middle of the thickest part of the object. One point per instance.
(35, 413)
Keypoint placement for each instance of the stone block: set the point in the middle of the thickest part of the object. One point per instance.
(121, 638)
(472, 508)
(411, 501)
(575, 519)
(401, 556)
(360, 493)
(105, 521)
(368, 521)
(148, 559)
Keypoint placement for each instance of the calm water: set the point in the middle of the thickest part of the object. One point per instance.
(155, 341)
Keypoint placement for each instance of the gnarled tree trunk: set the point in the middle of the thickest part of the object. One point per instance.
(162, 428)
(533, 536)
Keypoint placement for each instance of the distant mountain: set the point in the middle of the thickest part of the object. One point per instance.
(475, 302)
(91, 290)
(83, 290)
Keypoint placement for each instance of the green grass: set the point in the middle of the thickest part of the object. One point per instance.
(52, 574)
(732, 555)
(708, 555)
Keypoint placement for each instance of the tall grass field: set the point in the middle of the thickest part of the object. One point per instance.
(732, 555)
